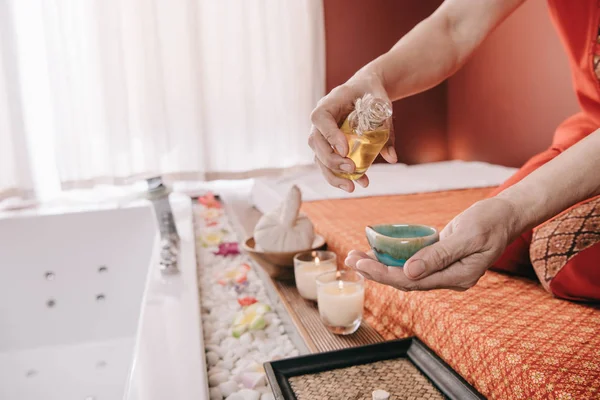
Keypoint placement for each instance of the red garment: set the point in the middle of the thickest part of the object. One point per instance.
(577, 22)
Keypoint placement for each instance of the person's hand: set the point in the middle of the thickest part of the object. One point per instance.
(326, 136)
(468, 246)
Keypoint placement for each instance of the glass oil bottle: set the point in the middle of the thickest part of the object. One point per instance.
(367, 129)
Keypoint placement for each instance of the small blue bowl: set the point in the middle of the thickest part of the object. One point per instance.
(393, 244)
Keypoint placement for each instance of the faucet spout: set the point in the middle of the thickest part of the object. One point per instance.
(158, 194)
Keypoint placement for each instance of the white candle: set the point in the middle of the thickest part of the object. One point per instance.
(341, 302)
(306, 273)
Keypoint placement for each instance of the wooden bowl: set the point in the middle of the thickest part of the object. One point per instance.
(279, 265)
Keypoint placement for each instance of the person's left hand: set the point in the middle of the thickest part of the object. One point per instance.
(468, 246)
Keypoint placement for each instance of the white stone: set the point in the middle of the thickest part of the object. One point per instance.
(212, 358)
(288, 347)
(215, 370)
(228, 364)
(235, 396)
(249, 394)
(246, 339)
(267, 396)
(260, 335)
(231, 355)
(264, 389)
(252, 380)
(294, 353)
(228, 388)
(218, 378)
(240, 351)
(215, 394)
(271, 330)
(229, 343)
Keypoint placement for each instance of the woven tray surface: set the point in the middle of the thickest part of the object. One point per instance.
(399, 377)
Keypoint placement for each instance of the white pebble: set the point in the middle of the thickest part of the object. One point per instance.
(229, 343)
(216, 349)
(260, 335)
(241, 351)
(231, 355)
(271, 330)
(227, 364)
(267, 396)
(215, 394)
(246, 339)
(294, 353)
(276, 354)
(212, 358)
(228, 388)
(249, 394)
(235, 396)
(252, 380)
(288, 348)
(218, 378)
(214, 370)
(263, 389)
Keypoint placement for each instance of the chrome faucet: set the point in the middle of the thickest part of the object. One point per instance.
(158, 194)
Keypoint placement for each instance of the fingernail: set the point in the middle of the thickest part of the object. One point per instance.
(414, 269)
(358, 264)
(344, 187)
(361, 183)
(340, 149)
(392, 152)
(346, 167)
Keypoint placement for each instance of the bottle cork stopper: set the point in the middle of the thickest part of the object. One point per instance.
(380, 395)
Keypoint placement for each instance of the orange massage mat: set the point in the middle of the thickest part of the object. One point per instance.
(506, 336)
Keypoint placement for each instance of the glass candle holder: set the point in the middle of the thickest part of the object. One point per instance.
(340, 297)
(307, 266)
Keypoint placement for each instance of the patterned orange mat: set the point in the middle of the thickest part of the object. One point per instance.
(506, 336)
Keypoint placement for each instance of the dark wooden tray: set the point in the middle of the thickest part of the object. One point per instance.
(448, 382)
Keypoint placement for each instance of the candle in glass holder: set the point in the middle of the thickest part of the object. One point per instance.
(309, 265)
(340, 297)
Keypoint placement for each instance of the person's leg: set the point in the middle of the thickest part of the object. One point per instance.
(515, 259)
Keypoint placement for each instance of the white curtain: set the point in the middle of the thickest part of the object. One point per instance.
(108, 89)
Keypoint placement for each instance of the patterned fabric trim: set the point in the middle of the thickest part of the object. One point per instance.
(561, 239)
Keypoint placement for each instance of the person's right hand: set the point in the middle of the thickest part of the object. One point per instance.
(326, 136)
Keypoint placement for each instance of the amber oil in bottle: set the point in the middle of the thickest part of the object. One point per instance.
(367, 129)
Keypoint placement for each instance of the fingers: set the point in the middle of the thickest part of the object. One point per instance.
(389, 151)
(325, 122)
(458, 276)
(344, 184)
(438, 256)
(326, 155)
(367, 265)
(363, 181)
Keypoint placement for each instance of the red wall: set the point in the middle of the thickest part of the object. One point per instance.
(504, 105)
(357, 31)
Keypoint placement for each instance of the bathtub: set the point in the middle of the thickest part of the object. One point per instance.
(85, 313)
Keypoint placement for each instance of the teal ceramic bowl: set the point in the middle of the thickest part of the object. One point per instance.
(393, 244)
